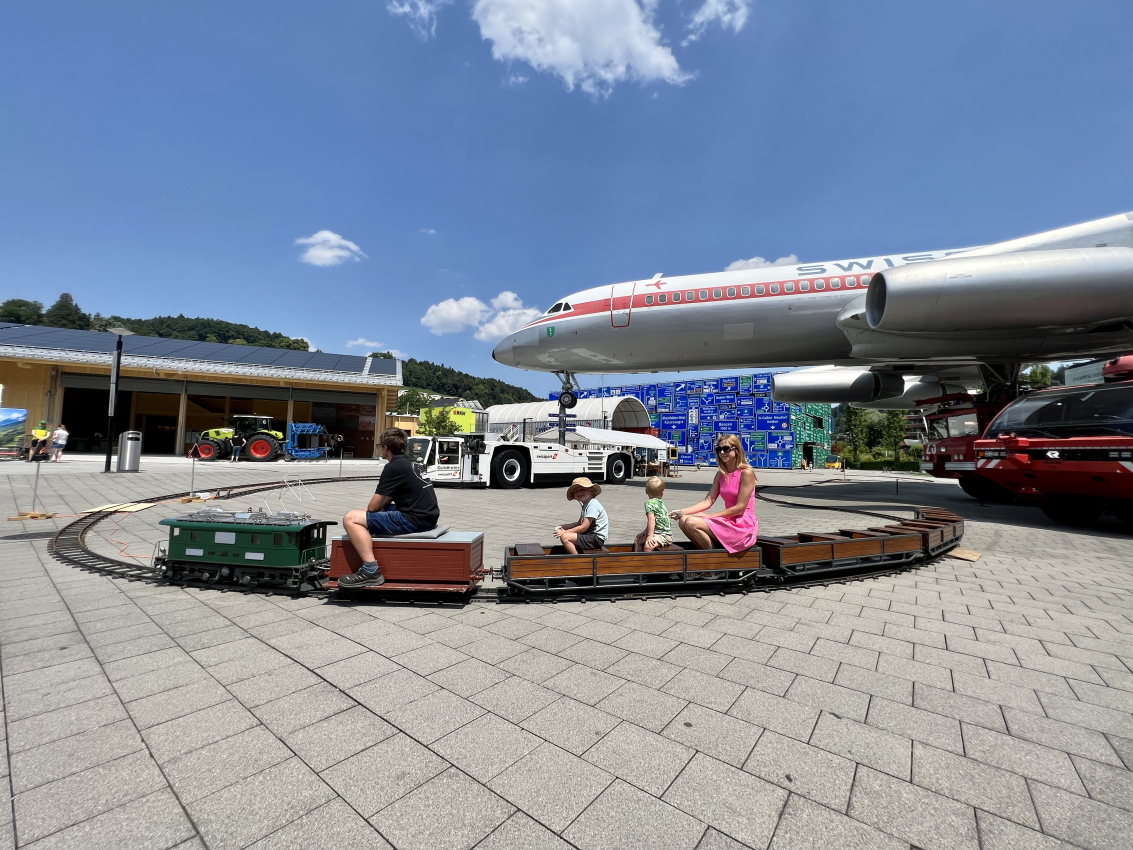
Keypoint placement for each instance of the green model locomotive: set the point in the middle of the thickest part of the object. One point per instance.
(248, 548)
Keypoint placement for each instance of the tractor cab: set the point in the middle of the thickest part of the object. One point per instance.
(246, 425)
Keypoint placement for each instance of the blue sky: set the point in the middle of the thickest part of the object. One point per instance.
(165, 158)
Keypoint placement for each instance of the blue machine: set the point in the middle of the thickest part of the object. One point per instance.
(321, 449)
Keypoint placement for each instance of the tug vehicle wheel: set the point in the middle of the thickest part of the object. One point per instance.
(509, 470)
(262, 447)
(617, 470)
(209, 449)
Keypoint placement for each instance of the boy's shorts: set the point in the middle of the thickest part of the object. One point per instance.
(390, 523)
(588, 540)
(663, 539)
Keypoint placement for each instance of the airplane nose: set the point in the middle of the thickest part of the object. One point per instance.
(505, 352)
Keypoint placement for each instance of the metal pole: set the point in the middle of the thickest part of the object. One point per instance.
(35, 487)
(193, 478)
(114, 367)
(340, 448)
(562, 425)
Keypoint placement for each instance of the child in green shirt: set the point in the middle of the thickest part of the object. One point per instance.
(658, 533)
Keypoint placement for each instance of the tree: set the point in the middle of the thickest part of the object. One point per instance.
(1040, 376)
(447, 381)
(65, 313)
(21, 312)
(436, 422)
(854, 420)
(411, 400)
(894, 428)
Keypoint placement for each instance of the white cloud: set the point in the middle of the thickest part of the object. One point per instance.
(364, 343)
(327, 248)
(421, 15)
(730, 14)
(506, 315)
(760, 263)
(451, 315)
(592, 44)
(428, 231)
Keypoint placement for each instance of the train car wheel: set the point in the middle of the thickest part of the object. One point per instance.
(509, 470)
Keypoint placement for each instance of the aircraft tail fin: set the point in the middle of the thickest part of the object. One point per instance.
(1115, 231)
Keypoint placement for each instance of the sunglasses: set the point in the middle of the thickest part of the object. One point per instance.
(723, 450)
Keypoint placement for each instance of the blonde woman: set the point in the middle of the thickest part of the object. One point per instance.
(735, 528)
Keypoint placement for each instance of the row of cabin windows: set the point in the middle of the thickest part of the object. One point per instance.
(257, 539)
(745, 291)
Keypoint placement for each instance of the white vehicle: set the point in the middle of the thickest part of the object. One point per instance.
(471, 459)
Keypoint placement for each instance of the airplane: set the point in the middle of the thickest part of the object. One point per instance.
(891, 331)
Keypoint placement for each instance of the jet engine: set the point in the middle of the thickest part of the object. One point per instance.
(917, 392)
(836, 384)
(1004, 292)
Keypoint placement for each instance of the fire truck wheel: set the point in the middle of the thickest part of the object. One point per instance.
(617, 470)
(1123, 510)
(1076, 512)
(986, 491)
(509, 470)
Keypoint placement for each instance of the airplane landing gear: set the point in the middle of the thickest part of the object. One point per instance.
(568, 398)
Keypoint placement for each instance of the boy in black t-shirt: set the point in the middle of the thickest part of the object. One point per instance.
(403, 503)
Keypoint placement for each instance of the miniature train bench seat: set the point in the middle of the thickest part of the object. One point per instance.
(437, 561)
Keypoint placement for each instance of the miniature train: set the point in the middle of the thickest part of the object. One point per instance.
(292, 551)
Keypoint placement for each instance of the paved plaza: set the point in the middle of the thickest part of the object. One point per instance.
(961, 705)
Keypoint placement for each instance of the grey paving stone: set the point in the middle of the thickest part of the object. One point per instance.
(955, 661)
(159, 681)
(643, 706)
(515, 698)
(197, 730)
(77, 753)
(806, 825)
(975, 783)
(640, 757)
(30, 703)
(487, 746)
(519, 832)
(468, 677)
(272, 685)
(828, 697)
(319, 647)
(47, 658)
(772, 712)
(1060, 736)
(494, 650)
(1106, 784)
(134, 648)
(338, 737)
(356, 670)
(63, 723)
(302, 708)
(878, 684)
(1002, 693)
(643, 670)
(551, 785)
(169, 705)
(155, 820)
(999, 834)
(1124, 749)
(914, 814)
(240, 814)
(715, 840)
(201, 772)
(709, 691)
(60, 804)
(1108, 720)
(864, 744)
(148, 663)
(217, 637)
(812, 666)
(719, 735)
(959, 707)
(385, 772)
(571, 725)
(550, 640)
(758, 676)
(388, 692)
(430, 819)
(247, 666)
(584, 684)
(1033, 760)
(1079, 820)
(535, 665)
(332, 826)
(429, 659)
(906, 721)
(645, 643)
(35, 680)
(625, 818)
(434, 716)
(803, 769)
(705, 660)
(741, 806)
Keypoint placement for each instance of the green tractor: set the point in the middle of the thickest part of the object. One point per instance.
(263, 442)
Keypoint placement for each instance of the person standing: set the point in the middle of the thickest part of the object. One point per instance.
(59, 442)
(735, 528)
(237, 440)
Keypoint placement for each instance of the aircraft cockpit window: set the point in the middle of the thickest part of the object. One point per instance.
(731, 292)
(566, 307)
(789, 287)
(759, 290)
(555, 309)
(745, 291)
(820, 284)
(774, 289)
(851, 281)
(676, 297)
(835, 283)
(716, 293)
(804, 285)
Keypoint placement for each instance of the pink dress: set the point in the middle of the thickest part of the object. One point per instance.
(736, 533)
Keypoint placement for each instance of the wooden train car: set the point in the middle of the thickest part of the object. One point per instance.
(245, 548)
(443, 561)
(536, 569)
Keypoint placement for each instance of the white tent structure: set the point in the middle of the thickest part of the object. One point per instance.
(618, 413)
(606, 437)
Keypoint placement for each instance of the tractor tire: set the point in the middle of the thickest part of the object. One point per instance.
(262, 447)
(210, 450)
(509, 470)
(1072, 511)
(617, 469)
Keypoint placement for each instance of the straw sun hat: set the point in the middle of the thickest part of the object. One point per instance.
(580, 483)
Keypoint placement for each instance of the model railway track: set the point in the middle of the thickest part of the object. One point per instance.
(69, 546)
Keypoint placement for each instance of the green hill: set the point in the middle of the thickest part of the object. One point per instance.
(448, 381)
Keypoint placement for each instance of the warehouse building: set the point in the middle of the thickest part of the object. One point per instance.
(172, 389)
(689, 414)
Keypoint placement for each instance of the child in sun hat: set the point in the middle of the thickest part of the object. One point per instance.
(593, 525)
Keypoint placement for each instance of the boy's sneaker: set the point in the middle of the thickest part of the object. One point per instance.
(361, 579)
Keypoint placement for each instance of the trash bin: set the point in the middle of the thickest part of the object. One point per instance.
(129, 451)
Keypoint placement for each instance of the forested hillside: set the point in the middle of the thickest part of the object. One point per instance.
(448, 381)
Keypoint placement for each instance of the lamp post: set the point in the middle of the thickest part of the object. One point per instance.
(115, 366)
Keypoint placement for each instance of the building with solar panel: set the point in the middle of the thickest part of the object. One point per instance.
(172, 389)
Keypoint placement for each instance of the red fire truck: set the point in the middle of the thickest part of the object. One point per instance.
(1068, 450)
(950, 433)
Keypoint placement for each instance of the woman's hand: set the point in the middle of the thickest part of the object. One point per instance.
(676, 514)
